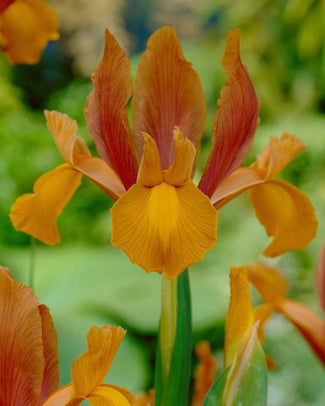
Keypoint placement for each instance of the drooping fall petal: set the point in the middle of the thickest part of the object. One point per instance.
(167, 93)
(26, 26)
(106, 112)
(21, 346)
(320, 276)
(36, 213)
(287, 214)
(235, 122)
(164, 229)
(51, 375)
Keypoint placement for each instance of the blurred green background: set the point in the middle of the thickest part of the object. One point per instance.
(85, 280)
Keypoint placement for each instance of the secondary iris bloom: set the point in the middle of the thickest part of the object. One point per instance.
(161, 219)
(26, 26)
(29, 362)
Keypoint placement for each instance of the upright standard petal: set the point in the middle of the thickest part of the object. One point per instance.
(36, 213)
(106, 112)
(235, 122)
(23, 39)
(167, 93)
(21, 344)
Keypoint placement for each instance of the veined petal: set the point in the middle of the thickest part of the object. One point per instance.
(36, 213)
(240, 318)
(106, 112)
(150, 173)
(310, 325)
(25, 38)
(180, 171)
(320, 276)
(51, 373)
(287, 214)
(269, 281)
(107, 395)
(164, 229)
(21, 346)
(89, 370)
(167, 93)
(235, 122)
(60, 397)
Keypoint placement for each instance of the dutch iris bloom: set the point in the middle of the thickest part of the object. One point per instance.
(29, 361)
(161, 219)
(26, 26)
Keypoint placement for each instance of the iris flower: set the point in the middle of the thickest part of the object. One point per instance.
(29, 362)
(161, 219)
(26, 26)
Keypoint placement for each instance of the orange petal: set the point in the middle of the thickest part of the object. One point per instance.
(164, 229)
(180, 171)
(278, 153)
(4, 4)
(167, 93)
(106, 112)
(311, 326)
(111, 395)
(60, 397)
(150, 173)
(36, 213)
(262, 314)
(74, 150)
(25, 38)
(240, 318)
(269, 281)
(204, 374)
(320, 276)
(287, 214)
(146, 399)
(21, 346)
(235, 122)
(90, 369)
(51, 373)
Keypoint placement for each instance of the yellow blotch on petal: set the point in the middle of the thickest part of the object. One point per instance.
(26, 26)
(36, 213)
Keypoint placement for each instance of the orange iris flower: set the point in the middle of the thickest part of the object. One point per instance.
(26, 26)
(161, 219)
(29, 361)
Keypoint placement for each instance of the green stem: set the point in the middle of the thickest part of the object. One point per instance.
(168, 323)
(32, 263)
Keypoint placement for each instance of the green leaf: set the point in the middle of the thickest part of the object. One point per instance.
(215, 394)
(175, 391)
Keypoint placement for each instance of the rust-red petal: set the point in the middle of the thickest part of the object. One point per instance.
(106, 112)
(320, 276)
(235, 122)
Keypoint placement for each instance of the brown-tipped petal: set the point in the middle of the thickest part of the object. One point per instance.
(235, 122)
(51, 373)
(240, 318)
(164, 229)
(26, 26)
(106, 112)
(167, 93)
(90, 369)
(4, 4)
(320, 276)
(36, 213)
(310, 325)
(269, 281)
(287, 215)
(180, 171)
(150, 173)
(21, 346)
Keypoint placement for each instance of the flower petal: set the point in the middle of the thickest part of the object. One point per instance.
(21, 347)
(320, 276)
(25, 38)
(150, 169)
(164, 229)
(235, 122)
(61, 397)
(90, 369)
(51, 373)
(167, 93)
(107, 395)
(269, 281)
(106, 112)
(180, 171)
(4, 4)
(287, 214)
(311, 326)
(36, 213)
(240, 318)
